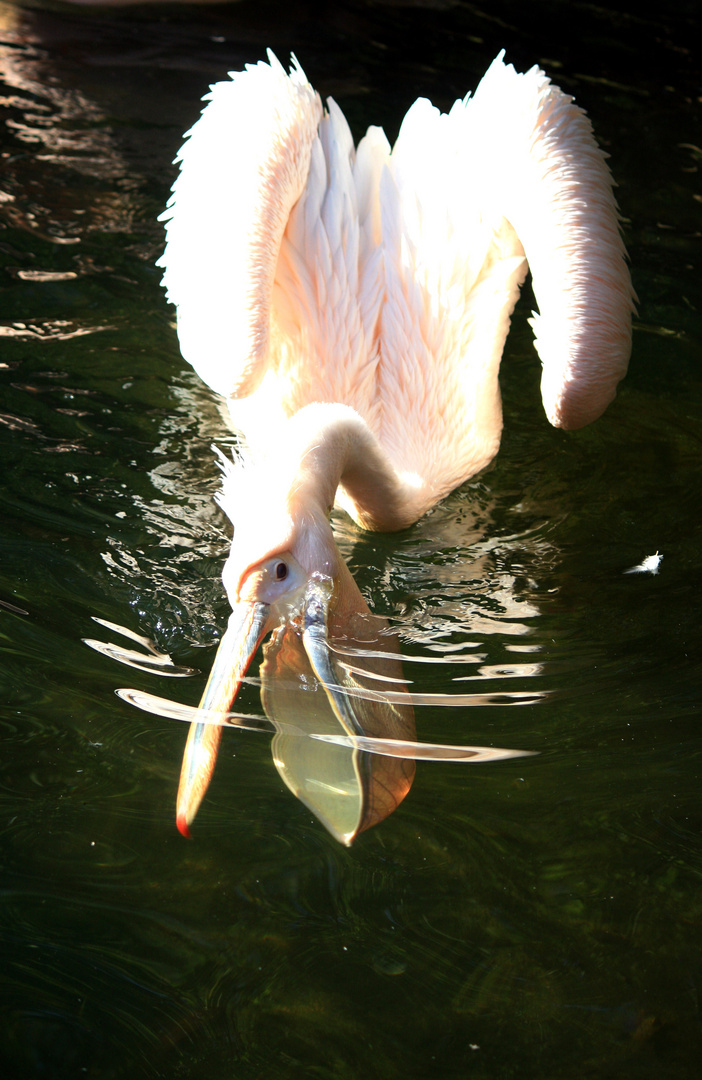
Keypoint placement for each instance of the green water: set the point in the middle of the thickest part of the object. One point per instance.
(530, 918)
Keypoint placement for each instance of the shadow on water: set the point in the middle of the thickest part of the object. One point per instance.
(525, 918)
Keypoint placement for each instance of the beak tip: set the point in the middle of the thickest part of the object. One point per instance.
(182, 825)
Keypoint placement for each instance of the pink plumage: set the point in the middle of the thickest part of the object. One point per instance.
(307, 270)
(352, 305)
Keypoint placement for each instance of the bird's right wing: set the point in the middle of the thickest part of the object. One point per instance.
(242, 169)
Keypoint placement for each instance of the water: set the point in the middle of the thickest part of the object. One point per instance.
(527, 918)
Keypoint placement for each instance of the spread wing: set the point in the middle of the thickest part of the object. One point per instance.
(549, 178)
(242, 168)
(512, 172)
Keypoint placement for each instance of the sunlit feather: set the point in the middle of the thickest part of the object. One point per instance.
(352, 305)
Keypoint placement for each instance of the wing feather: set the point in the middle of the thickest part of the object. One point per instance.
(452, 274)
(242, 168)
(328, 285)
(388, 278)
(548, 176)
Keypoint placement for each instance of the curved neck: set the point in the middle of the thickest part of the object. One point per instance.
(336, 457)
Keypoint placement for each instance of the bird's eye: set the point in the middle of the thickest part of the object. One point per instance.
(281, 571)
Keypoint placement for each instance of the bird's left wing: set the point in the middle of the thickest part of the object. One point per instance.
(242, 168)
(548, 177)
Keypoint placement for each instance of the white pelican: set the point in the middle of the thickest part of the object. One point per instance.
(351, 305)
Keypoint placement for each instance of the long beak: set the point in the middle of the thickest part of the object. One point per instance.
(315, 640)
(248, 624)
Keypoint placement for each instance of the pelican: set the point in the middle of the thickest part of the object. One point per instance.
(351, 305)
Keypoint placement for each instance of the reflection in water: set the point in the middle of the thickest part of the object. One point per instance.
(70, 137)
(154, 661)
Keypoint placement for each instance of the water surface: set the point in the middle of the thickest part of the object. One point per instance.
(528, 918)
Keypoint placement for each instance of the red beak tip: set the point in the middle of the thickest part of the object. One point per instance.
(182, 826)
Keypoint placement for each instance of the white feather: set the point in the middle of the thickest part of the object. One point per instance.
(649, 565)
(243, 166)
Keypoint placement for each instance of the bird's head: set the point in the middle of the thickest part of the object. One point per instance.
(283, 570)
(282, 538)
(283, 559)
